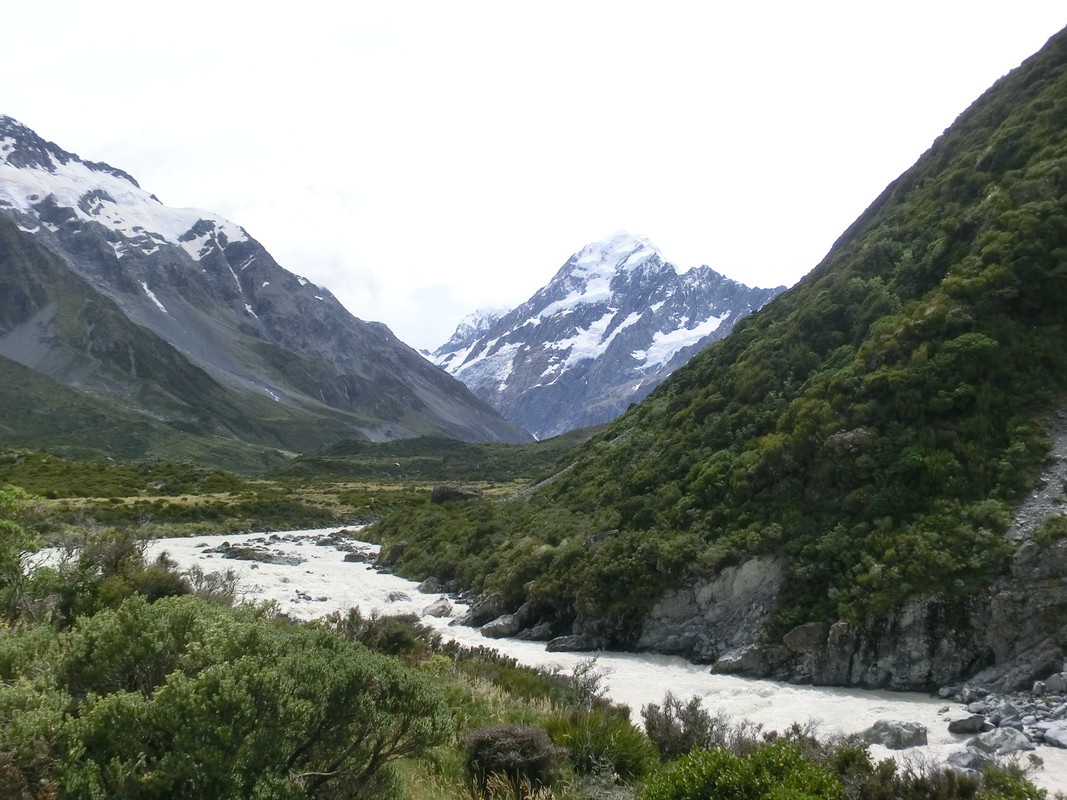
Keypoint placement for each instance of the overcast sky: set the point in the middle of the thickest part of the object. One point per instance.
(424, 159)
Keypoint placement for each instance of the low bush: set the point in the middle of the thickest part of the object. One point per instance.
(679, 728)
(603, 742)
(775, 771)
(517, 752)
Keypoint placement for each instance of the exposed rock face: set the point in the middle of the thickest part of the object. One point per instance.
(1025, 619)
(611, 325)
(719, 618)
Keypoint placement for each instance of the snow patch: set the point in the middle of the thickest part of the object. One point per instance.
(591, 342)
(153, 298)
(665, 345)
(109, 199)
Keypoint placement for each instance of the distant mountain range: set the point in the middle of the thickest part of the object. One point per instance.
(612, 324)
(179, 318)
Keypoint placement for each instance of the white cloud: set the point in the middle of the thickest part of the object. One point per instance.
(396, 152)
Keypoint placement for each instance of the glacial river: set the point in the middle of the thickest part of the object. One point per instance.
(324, 582)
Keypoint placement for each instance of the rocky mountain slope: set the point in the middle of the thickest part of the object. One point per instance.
(181, 316)
(838, 491)
(604, 332)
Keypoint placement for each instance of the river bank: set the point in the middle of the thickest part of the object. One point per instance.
(306, 574)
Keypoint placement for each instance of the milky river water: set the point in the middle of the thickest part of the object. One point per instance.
(324, 582)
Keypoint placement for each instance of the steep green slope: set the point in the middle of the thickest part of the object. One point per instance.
(873, 427)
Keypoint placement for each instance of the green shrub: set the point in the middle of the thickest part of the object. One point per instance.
(774, 771)
(162, 700)
(602, 742)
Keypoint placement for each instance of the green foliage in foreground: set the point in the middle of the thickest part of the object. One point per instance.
(799, 768)
(125, 680)
(162, 700)
(874, 425)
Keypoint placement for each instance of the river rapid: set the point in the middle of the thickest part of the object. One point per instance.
(322, 582)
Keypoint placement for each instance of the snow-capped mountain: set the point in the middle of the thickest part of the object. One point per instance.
(200, 290)
(470, 328)
(611, 325)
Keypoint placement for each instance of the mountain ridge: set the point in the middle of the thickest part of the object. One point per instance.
(201, 284)
(610, 325)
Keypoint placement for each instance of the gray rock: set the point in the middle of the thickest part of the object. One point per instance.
(807, 637)
(974, 723)
(396, 551)
(438, 608)
(572, 644)
(750, 660)
(896, 735)
(1001, 742)
(969, 759)
(537, 633)
(706, 620)
(430, 586)
(358, 557)
(1056, 684)
(397, 597)
(1055, 734)
(485, 609)
(504, 625)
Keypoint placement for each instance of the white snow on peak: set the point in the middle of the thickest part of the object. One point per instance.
(109, 199)
(481, 319)
(621, 250)
(590, 271)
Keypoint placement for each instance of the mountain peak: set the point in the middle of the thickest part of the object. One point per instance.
(47, 185)
(615, 253)
(610, 326)
(21, 147)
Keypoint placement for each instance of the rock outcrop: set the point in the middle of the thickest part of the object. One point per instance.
(720, 620)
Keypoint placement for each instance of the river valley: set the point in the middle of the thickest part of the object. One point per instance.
(308, 580)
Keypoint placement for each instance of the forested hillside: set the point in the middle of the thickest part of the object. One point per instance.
(871, 429)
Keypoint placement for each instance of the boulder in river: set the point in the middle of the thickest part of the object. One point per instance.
(572, 644)
(504, 625)
(438, 608)
(974, 723)
(1001, 742)
(896, 735)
